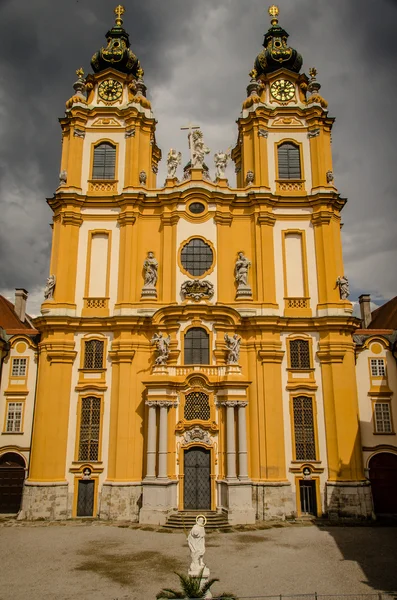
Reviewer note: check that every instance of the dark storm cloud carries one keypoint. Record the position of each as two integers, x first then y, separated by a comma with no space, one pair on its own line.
196,56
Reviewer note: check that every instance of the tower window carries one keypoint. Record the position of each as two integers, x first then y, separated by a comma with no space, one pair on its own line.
196,347
289,163
305,446
197,257
19,367
299,354
197,407
104,161
93,355
89,428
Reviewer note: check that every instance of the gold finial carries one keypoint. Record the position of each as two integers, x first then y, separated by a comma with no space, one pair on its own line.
253,74
273,12
80,73
140,72
119,10
312,73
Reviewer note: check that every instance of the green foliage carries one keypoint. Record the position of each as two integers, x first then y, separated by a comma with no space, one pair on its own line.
191,588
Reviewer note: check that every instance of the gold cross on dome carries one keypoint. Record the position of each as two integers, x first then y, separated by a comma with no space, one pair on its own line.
273,12
119,10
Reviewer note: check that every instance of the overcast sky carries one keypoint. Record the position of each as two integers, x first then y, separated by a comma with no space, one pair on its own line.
197,55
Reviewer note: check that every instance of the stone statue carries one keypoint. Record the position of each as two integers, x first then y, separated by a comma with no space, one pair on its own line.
63,177
199,149
233,346
162,347
343,285
330,176
250,177
174,159
241,270
49,288
221,159
196,542
142,178
150,266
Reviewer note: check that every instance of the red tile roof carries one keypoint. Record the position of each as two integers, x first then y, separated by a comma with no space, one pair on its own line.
10,322
385,317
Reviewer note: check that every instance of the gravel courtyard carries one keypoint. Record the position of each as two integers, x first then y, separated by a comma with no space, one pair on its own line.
87,561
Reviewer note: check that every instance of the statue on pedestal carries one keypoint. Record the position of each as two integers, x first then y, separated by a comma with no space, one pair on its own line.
49,288
162,347
233,346
343,285
241,275
173,160
150,266
221,159
198,149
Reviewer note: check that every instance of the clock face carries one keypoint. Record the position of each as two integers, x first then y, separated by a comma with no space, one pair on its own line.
110,90
282,89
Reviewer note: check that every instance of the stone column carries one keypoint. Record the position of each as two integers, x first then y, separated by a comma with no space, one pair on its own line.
163,441
151,442
230,441
242,441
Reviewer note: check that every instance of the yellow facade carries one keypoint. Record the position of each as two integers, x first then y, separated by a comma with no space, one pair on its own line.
247,435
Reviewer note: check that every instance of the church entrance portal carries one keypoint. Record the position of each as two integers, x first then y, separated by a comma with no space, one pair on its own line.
383,477
197,485
12,476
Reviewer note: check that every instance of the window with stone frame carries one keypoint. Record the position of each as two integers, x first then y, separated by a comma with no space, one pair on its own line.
93,354
197,406
196,345
14,417
289,162
378,367
305,442
19,366
90,422
104,161
382,417
299,351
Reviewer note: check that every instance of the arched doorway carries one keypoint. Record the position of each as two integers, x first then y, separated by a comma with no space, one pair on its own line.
383,477
197,481
12,476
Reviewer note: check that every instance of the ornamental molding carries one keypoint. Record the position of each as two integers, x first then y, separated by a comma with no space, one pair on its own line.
130,133
197,434
72,218
314,133
197,289
263,133
102,122
160,403
266,218
79,133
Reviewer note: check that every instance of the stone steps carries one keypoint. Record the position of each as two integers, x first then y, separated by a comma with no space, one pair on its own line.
187,518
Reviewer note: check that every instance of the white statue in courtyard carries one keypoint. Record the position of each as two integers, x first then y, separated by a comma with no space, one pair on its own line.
196,542
343,285
221,159
49,288
174,159
162,347
233,346
198,148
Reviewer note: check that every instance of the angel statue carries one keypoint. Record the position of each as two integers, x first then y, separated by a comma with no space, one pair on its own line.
173,160
49,288
233,346
221,159
162,347
199,149
343,284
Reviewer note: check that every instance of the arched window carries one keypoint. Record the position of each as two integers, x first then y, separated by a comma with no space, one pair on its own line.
289,163
90,420
196,347
93,354
299,351
104,161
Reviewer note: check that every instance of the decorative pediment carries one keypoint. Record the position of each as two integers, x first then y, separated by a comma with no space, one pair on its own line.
197,434
106,122
287,121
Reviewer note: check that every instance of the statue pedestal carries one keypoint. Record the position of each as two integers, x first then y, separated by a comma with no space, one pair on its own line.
196,573
222,181
244,291
171,181
233,369
149,292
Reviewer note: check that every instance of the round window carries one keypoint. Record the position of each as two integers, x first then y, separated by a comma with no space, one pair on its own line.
196,208
197,257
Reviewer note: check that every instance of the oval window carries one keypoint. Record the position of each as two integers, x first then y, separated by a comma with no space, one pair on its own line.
197,257
196,208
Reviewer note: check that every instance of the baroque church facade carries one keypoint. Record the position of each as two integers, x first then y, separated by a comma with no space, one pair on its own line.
196,348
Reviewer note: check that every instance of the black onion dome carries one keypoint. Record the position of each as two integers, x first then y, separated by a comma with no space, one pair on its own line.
277,54
117,53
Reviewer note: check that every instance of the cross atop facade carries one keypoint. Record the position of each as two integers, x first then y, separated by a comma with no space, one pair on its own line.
119,10
190,128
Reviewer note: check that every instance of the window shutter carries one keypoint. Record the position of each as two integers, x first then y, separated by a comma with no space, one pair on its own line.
104,161
289,166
